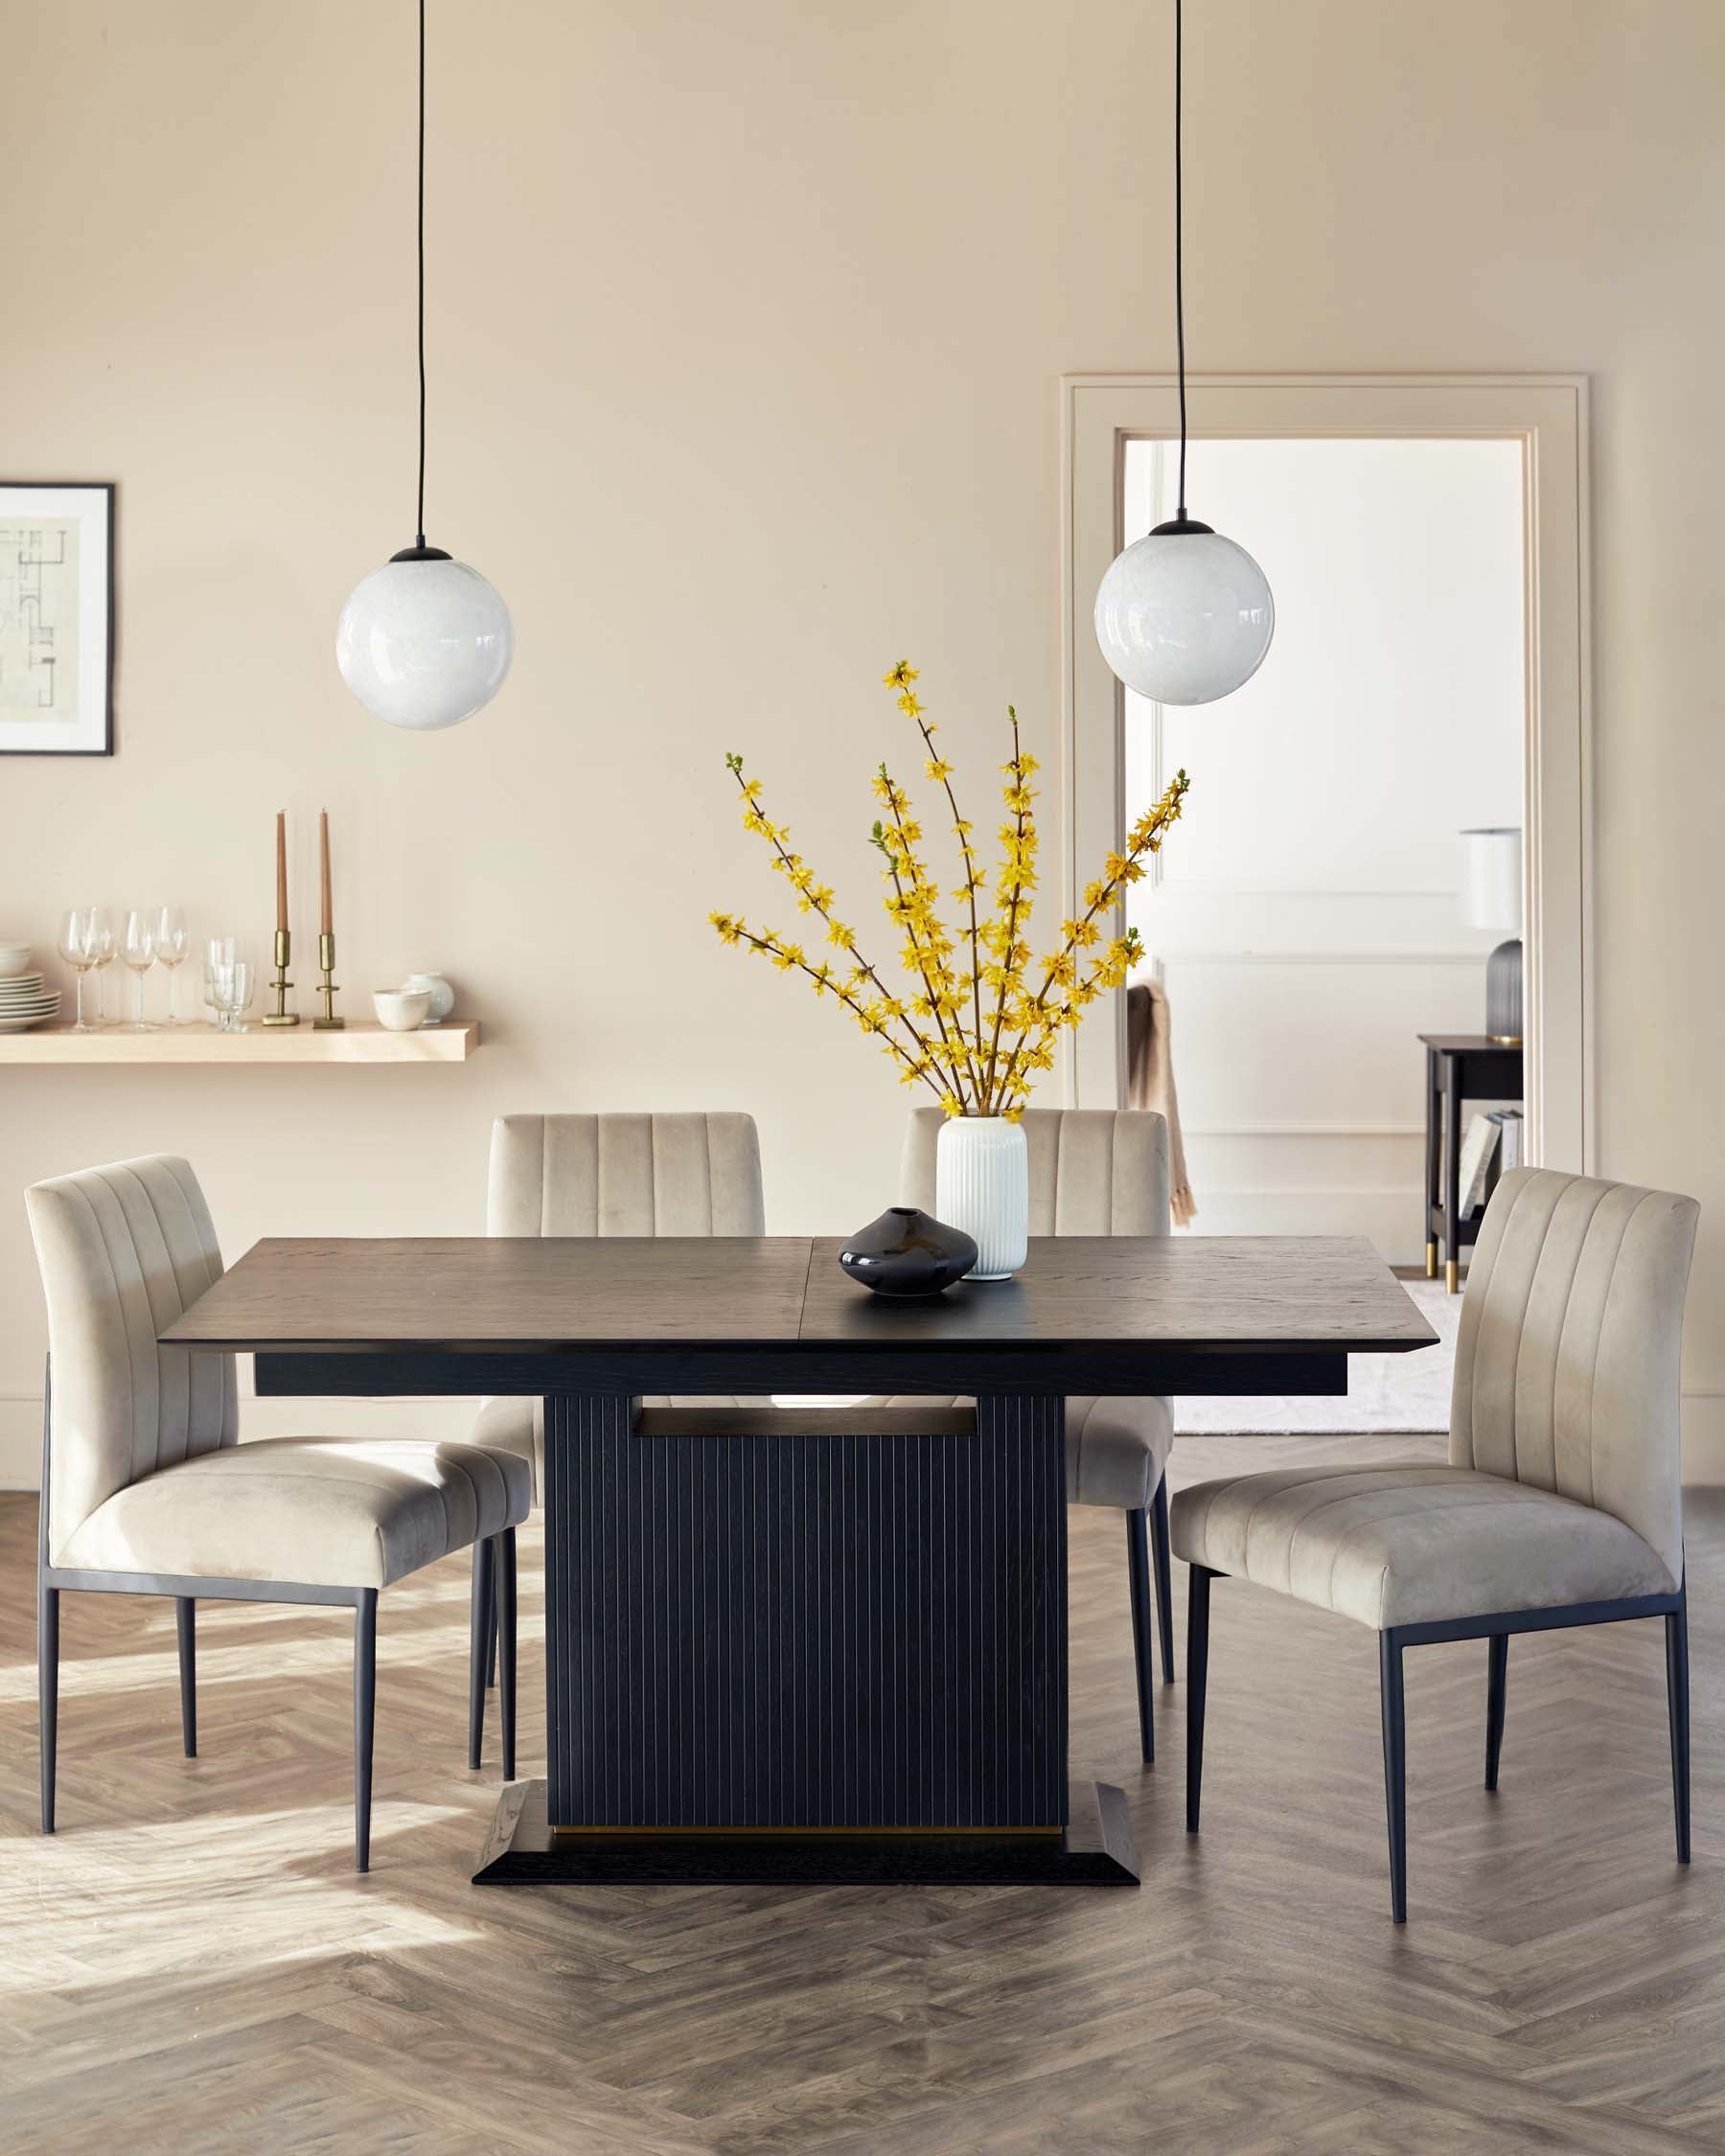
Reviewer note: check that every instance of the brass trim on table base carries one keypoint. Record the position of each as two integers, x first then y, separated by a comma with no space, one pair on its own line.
1096,1849
796,1833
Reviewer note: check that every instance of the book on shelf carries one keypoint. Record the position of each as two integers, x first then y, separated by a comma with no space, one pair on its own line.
1479,1149
1510,1128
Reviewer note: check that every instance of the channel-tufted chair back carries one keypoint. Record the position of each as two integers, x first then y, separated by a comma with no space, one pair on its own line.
1093,1171
625,1175
1567,1363
123,1250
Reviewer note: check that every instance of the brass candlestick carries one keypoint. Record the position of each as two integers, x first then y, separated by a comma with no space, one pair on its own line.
282,1015
326,960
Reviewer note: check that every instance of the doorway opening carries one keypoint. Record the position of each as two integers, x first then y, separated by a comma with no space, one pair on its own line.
1319,909
1309,922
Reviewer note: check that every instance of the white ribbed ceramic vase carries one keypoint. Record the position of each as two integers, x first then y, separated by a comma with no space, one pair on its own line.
982,1186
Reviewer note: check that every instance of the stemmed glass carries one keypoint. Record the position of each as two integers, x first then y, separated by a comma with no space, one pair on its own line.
139,949
86,941
219,951
172,941
106,947
231,991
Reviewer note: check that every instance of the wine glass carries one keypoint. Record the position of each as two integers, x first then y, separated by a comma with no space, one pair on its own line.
173,940
138,949
232,987
80,938
105,946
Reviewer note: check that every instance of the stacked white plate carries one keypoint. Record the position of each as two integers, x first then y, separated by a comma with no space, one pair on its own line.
25,1001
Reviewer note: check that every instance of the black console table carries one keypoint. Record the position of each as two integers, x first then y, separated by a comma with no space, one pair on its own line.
1460,1067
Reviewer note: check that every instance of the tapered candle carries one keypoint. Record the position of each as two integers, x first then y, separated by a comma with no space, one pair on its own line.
281,870
323,856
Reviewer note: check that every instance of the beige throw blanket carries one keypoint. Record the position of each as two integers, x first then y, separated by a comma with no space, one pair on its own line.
1150,1084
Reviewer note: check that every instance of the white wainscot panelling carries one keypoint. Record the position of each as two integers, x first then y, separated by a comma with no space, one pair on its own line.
1242,918
1329,1039
1315,1180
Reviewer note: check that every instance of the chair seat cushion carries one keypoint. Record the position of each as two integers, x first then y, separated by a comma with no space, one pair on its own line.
1115,1449
316,1511
1411,1544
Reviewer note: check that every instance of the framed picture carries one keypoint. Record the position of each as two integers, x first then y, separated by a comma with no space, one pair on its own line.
56,619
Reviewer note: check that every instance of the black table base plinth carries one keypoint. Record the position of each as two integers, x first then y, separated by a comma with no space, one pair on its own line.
1096,1849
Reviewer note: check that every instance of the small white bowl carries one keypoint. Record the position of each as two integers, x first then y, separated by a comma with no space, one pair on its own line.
14,958
401,1010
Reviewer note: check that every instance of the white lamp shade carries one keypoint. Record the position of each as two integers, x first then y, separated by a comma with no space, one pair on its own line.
1185,617
424,644
1491,883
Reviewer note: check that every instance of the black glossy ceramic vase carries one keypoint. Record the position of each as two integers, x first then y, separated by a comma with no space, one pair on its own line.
906,1253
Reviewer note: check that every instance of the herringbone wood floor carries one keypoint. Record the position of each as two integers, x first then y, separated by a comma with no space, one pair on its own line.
191,1964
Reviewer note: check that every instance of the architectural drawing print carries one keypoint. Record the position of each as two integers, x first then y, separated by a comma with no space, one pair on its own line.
38,619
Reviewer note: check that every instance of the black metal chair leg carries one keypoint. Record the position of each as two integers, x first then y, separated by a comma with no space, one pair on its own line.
48,1691
505,1568
1198,1595
479,1638
1677,1703
186,1611
490,1633
1396,1770
1137,1579
1165,1578
366,1701
1497,1682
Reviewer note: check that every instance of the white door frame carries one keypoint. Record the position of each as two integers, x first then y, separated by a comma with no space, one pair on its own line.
1548,415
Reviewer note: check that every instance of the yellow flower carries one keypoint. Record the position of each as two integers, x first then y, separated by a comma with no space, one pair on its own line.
977,1053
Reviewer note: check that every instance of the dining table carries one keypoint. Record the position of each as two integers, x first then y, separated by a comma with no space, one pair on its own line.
795,1641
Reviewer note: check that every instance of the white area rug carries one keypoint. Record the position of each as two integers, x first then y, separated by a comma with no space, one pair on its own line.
1396,1395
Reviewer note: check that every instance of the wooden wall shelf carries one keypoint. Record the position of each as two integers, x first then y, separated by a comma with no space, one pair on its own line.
356,1043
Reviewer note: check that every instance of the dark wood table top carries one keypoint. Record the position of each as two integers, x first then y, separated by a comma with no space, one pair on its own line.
775,1313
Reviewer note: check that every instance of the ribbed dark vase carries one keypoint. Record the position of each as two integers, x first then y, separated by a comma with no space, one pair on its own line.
907,1254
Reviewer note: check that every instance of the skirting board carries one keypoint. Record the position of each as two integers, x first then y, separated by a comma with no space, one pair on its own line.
21,1428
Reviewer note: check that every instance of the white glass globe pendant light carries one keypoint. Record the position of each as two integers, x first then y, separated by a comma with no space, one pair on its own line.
1183,615
424,641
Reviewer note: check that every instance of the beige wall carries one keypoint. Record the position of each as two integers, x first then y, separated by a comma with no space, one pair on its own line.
746,321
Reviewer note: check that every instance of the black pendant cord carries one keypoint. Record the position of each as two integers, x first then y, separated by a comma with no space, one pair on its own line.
1179,251
420,519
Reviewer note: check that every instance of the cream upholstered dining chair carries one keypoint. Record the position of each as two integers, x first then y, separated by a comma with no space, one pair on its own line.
1561,1503
1097,1171
684,1174
145,1489
687,1174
